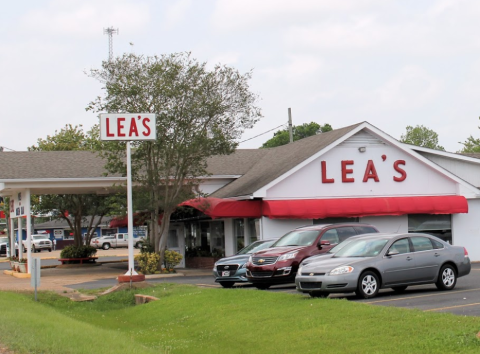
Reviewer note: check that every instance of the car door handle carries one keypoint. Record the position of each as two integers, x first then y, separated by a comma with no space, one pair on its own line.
437,254
409,258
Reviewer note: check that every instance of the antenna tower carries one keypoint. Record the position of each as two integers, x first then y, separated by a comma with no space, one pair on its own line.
110,31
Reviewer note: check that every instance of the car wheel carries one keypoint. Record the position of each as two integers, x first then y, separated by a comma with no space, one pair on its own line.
227,284
49,250
368,285
261,286
106,246
447,278
33,249
399,289
321,294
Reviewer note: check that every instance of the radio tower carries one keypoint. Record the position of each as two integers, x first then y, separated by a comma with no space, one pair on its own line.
110,31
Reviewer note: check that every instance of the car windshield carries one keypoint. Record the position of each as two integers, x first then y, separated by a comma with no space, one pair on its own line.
297,238
362,248
255,247
40,237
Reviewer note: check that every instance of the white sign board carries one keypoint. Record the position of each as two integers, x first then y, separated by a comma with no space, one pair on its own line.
17,205
127,126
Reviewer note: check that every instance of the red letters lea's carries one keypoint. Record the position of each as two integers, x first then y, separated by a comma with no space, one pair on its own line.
370,172
399,170
324,173
346,171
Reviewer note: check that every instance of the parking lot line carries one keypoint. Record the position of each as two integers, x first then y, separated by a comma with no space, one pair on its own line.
452,307
420,296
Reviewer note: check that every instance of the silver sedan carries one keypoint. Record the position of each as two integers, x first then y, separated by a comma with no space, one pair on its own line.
368,263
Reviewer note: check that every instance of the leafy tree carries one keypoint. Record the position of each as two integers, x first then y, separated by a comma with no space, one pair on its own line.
471,145
282,137
421,136
200,112
67,139
74,208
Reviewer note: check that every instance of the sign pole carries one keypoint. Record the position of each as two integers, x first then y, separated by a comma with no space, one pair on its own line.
131,270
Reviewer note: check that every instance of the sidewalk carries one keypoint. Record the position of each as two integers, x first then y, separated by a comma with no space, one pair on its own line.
58,279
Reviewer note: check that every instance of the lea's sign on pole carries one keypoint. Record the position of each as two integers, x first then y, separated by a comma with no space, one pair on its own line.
127,126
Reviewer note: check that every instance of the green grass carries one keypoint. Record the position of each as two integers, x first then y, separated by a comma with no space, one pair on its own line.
188,319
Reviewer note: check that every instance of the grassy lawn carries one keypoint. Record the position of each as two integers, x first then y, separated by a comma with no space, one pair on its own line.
188,319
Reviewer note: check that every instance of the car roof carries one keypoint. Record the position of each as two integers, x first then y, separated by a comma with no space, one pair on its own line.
324,226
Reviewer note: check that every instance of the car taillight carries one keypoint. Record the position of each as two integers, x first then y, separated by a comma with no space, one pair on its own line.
465,252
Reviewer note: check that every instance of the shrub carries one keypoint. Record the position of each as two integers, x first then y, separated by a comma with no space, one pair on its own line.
148,262
172,259
147,247
78,252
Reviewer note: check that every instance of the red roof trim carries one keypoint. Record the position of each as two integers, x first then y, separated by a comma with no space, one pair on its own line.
357,207
226,208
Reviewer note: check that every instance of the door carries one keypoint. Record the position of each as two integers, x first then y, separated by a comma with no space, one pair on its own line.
427,259
176,242
399,267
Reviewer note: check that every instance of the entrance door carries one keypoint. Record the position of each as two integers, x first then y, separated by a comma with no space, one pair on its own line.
176,242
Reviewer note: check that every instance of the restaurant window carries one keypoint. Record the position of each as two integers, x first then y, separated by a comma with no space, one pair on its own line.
253,226
239,234
436,225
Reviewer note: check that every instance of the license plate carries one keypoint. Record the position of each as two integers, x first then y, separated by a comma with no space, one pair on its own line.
226,273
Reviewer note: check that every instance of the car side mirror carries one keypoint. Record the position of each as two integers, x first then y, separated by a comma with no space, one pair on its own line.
392,253
323,243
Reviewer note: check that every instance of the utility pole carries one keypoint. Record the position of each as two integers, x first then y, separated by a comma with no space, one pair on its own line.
290,128
110,31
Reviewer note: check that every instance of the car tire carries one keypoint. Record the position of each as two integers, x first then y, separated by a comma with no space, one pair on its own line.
399,289
321,294
106,246
49,250
34,249
227,284
368,285
447,278
262,286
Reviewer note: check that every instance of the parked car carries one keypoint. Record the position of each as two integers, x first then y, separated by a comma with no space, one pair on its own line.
371,262
279,263
38,243
230,270
3,246
115,241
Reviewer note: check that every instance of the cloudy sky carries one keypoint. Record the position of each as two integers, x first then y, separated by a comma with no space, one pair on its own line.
391,63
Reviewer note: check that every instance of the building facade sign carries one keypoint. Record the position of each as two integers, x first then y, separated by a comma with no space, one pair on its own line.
127,126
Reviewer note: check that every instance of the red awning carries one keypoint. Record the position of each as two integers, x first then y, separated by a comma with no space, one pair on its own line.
138,220
356,207
226,208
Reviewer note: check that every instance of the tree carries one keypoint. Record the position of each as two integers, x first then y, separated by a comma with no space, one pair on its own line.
471,145
282,137
200,112
67,139
73,208
421,136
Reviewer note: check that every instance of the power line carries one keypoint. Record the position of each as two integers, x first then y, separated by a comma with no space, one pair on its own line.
268,131
4,147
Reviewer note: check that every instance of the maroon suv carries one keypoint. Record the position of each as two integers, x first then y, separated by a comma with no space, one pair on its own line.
279,263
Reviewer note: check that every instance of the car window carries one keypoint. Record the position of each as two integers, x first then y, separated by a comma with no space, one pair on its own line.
401,246
345,232
362,248
120,236
437,245
421,243
365,230
331,236
256,246
297,238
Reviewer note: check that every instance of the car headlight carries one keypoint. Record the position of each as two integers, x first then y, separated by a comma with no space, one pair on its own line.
287,256
341,270
244,265
299,271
